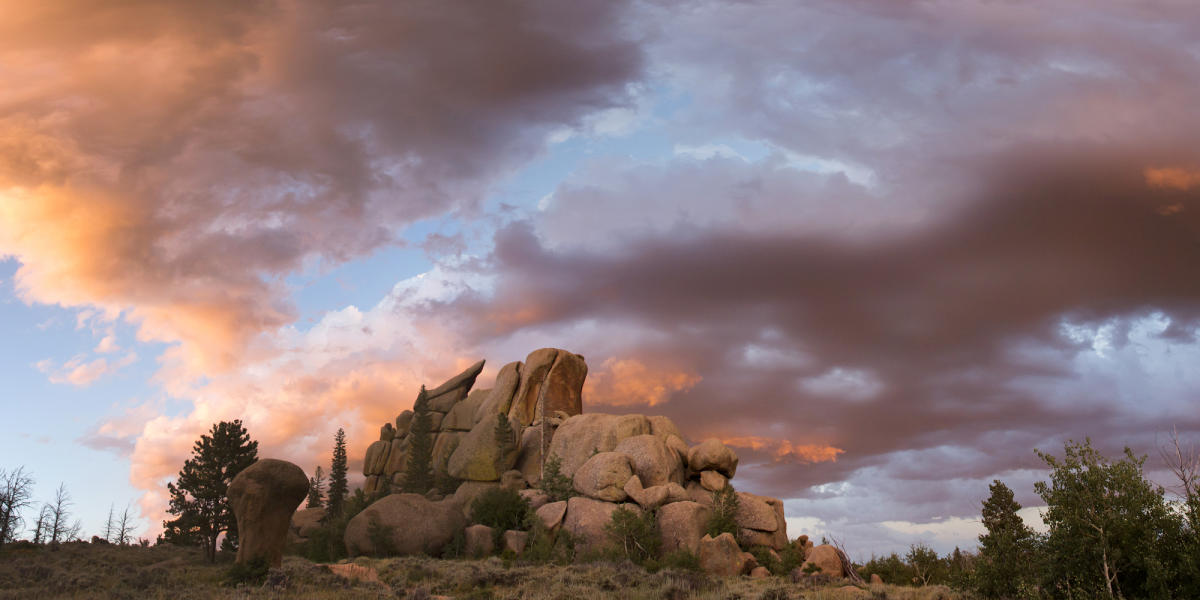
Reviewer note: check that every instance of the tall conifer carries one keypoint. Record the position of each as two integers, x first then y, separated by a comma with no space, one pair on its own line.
338,487
418,473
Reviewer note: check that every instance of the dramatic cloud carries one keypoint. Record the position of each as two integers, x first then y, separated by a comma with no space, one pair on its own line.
170,165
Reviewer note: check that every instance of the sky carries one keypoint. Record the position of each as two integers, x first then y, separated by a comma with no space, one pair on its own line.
883,249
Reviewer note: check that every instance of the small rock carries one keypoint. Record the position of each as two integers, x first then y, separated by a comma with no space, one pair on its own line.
826,559
535,498
604,476
479,541
515,541
712,480
713,454
552,513
721,556
759,573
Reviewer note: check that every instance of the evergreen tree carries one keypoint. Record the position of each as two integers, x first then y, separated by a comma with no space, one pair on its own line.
316,490
1004,551
335,499
418,473
506,441
198,495
554,482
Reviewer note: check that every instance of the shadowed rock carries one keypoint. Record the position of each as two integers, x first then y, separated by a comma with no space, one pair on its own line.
408,523
263,497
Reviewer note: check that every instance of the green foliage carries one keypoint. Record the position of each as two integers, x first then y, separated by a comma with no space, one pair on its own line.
198,495
891,568
1005,552
680,560
251,572
1111,531
724,512
790,557
555,483
634,534
380,536
765,558
338,486
506,441
927,567
501,509
327,542
418,473
545,546
444,483
316,490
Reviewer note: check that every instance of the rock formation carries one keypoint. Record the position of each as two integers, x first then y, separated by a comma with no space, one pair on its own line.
641,463
263,497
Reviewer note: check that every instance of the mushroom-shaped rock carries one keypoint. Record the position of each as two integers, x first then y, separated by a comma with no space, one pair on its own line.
604,476
263,497
682,525
412,523
551,514
653,461
712,454
586,519
721,556
477,457
826,559
479,541
580,436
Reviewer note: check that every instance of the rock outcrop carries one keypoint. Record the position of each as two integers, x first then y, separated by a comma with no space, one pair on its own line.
825,559
410,524
640,462
263,497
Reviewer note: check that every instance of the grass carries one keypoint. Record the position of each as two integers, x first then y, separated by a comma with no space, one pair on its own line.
80,570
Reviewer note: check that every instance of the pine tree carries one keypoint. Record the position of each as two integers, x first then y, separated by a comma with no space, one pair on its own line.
335,500
316,490
505,441
1004,550
418,474
198,495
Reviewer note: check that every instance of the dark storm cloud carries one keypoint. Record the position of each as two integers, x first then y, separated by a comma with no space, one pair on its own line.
941,319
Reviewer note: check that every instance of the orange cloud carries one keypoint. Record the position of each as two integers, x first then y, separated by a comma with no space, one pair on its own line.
1174,178
629,382
785,450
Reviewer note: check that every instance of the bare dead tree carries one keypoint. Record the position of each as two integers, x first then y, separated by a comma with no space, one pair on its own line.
60,528
847,566
109,525
124,528
1183,460
42,526
16,490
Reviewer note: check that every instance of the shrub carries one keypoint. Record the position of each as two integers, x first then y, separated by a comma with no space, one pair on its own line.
545,546
555,484
634,535
724,512
251,572
501,509
766,558
681,560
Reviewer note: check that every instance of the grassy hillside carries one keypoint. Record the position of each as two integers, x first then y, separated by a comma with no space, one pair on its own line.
80,570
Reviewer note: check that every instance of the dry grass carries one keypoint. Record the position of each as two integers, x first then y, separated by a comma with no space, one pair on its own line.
86,571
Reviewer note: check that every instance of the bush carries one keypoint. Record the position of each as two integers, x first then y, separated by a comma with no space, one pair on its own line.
766,558
251,572
501,509
554,483
681,560
545,546
634,535
724,512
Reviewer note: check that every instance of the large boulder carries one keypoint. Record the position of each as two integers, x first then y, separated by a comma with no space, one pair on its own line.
445,396
306,520
721,556
653,461
477,457
462,415
263,497
604,476
552,377
444,446
753,512
404,422
529,454
468,491
650,498
412,523
376,458
479,541
712,481
551,514
713,454
499,399
586,519
682,525
578,437
826,559
515,541
697,493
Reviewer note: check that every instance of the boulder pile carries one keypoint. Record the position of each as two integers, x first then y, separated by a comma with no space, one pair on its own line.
610,461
